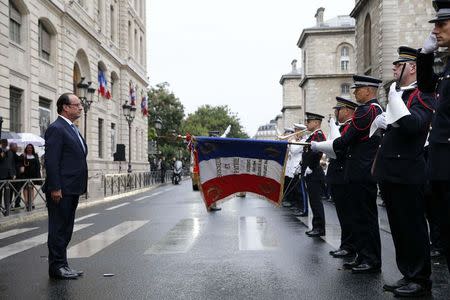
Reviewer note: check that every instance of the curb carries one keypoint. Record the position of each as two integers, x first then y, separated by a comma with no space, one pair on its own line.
41,213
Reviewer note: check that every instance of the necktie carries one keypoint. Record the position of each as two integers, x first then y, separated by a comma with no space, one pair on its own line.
79,136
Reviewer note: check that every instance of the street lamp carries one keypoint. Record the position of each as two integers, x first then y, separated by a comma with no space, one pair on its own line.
129,113
85,93
158,126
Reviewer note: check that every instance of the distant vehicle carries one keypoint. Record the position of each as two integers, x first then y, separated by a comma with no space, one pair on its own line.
177,169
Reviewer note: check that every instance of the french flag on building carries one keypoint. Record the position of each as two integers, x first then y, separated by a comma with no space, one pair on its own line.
132,95
228,166
144,105
102,85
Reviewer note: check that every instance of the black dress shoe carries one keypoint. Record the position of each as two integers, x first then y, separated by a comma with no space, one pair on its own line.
365,268
78,273
341,253
435,253
412,289
331,252
351,264
315,233
395,285
304,214
62,273
215,208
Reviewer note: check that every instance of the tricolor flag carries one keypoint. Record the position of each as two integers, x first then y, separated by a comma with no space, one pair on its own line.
144,108
228,166
132,95
103,85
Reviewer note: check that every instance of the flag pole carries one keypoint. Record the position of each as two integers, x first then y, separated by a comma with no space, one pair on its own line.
300,143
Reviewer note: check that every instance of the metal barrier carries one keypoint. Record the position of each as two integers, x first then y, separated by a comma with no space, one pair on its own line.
13,190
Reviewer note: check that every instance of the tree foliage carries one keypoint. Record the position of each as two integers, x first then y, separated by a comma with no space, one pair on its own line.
207,118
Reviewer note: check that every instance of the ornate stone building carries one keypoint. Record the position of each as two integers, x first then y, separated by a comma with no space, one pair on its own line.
267,131
48,46
292,97
381,27
328,54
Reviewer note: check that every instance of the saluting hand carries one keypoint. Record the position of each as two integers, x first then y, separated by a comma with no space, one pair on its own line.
56,196
430,44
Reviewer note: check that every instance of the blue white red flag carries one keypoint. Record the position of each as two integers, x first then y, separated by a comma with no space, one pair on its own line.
132,95
228,166
103,85
144,105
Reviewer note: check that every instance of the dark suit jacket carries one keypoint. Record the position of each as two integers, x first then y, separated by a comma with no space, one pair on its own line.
312,159
65,160
335,171
7,165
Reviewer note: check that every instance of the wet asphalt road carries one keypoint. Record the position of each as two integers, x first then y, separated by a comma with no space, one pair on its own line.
163,244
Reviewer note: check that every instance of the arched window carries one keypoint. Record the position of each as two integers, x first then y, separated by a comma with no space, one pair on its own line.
45,45
367,44
345,58
113,23
15,23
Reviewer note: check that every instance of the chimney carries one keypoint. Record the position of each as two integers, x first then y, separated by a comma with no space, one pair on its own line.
319,16
294,66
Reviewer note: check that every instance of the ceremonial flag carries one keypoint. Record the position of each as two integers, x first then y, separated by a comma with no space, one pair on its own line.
132,95
228,166
103,85
144,108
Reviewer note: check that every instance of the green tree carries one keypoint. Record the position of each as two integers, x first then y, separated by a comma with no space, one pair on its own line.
166,107
208,117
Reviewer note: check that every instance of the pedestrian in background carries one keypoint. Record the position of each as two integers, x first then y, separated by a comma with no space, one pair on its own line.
7,167
67,174
31,170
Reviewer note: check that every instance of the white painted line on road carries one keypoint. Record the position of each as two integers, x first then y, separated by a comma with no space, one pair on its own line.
13,232
103,239
117,206
167,190
85,217
31,242
255,234
146,197
179,239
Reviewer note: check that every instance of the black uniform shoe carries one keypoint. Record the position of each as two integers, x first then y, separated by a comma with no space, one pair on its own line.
365,268
412,289
341,253
435,253
396,285
351,264
78,273
315,233
332,251
215,208
286,204
62,273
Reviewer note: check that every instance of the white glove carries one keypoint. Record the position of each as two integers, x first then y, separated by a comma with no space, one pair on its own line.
430,44
307,171
394,94
380,121
297,170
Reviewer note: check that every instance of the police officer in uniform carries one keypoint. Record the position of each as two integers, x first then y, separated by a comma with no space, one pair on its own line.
439,139
400,170
360,150
343,111
313,174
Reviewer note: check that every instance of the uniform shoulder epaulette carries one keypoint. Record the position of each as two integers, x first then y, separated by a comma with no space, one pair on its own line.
364,115
415,94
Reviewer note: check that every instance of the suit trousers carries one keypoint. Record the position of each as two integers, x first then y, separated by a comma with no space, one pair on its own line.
61,218
363,199
441,197
405,207
344,210
314,189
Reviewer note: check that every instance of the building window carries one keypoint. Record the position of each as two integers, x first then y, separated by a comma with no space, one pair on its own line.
44,115
136,45
15,23
130,41
113,23
113,139
141,51
15,98
345,89
367,44
100,138
44,42
345,58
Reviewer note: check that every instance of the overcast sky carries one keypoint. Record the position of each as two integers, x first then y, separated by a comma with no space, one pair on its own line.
230,52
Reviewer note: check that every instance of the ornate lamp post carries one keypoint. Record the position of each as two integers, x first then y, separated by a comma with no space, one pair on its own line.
86,94
129,113
158,126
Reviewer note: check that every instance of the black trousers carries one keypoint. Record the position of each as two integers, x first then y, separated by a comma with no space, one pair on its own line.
287,188
363,199
344,211
432,216
61,218
314,189
441,198
405,206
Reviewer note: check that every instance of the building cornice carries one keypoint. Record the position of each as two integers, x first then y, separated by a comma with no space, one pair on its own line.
359,5
323,31
290,76
290,107
327,76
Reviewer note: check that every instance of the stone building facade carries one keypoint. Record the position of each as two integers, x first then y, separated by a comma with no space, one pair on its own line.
267,131
48,46
328,60
384,25
292,97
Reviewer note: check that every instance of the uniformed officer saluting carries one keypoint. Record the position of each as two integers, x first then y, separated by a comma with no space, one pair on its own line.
343,111
439,139
360,151
313,174
400,171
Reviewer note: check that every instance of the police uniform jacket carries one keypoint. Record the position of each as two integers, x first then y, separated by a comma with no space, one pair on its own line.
312,159
401,155
429,82
359,149
335,171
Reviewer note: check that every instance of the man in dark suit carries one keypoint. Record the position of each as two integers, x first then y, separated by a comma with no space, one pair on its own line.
66,167
400,171
7,167
439,139
313,174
